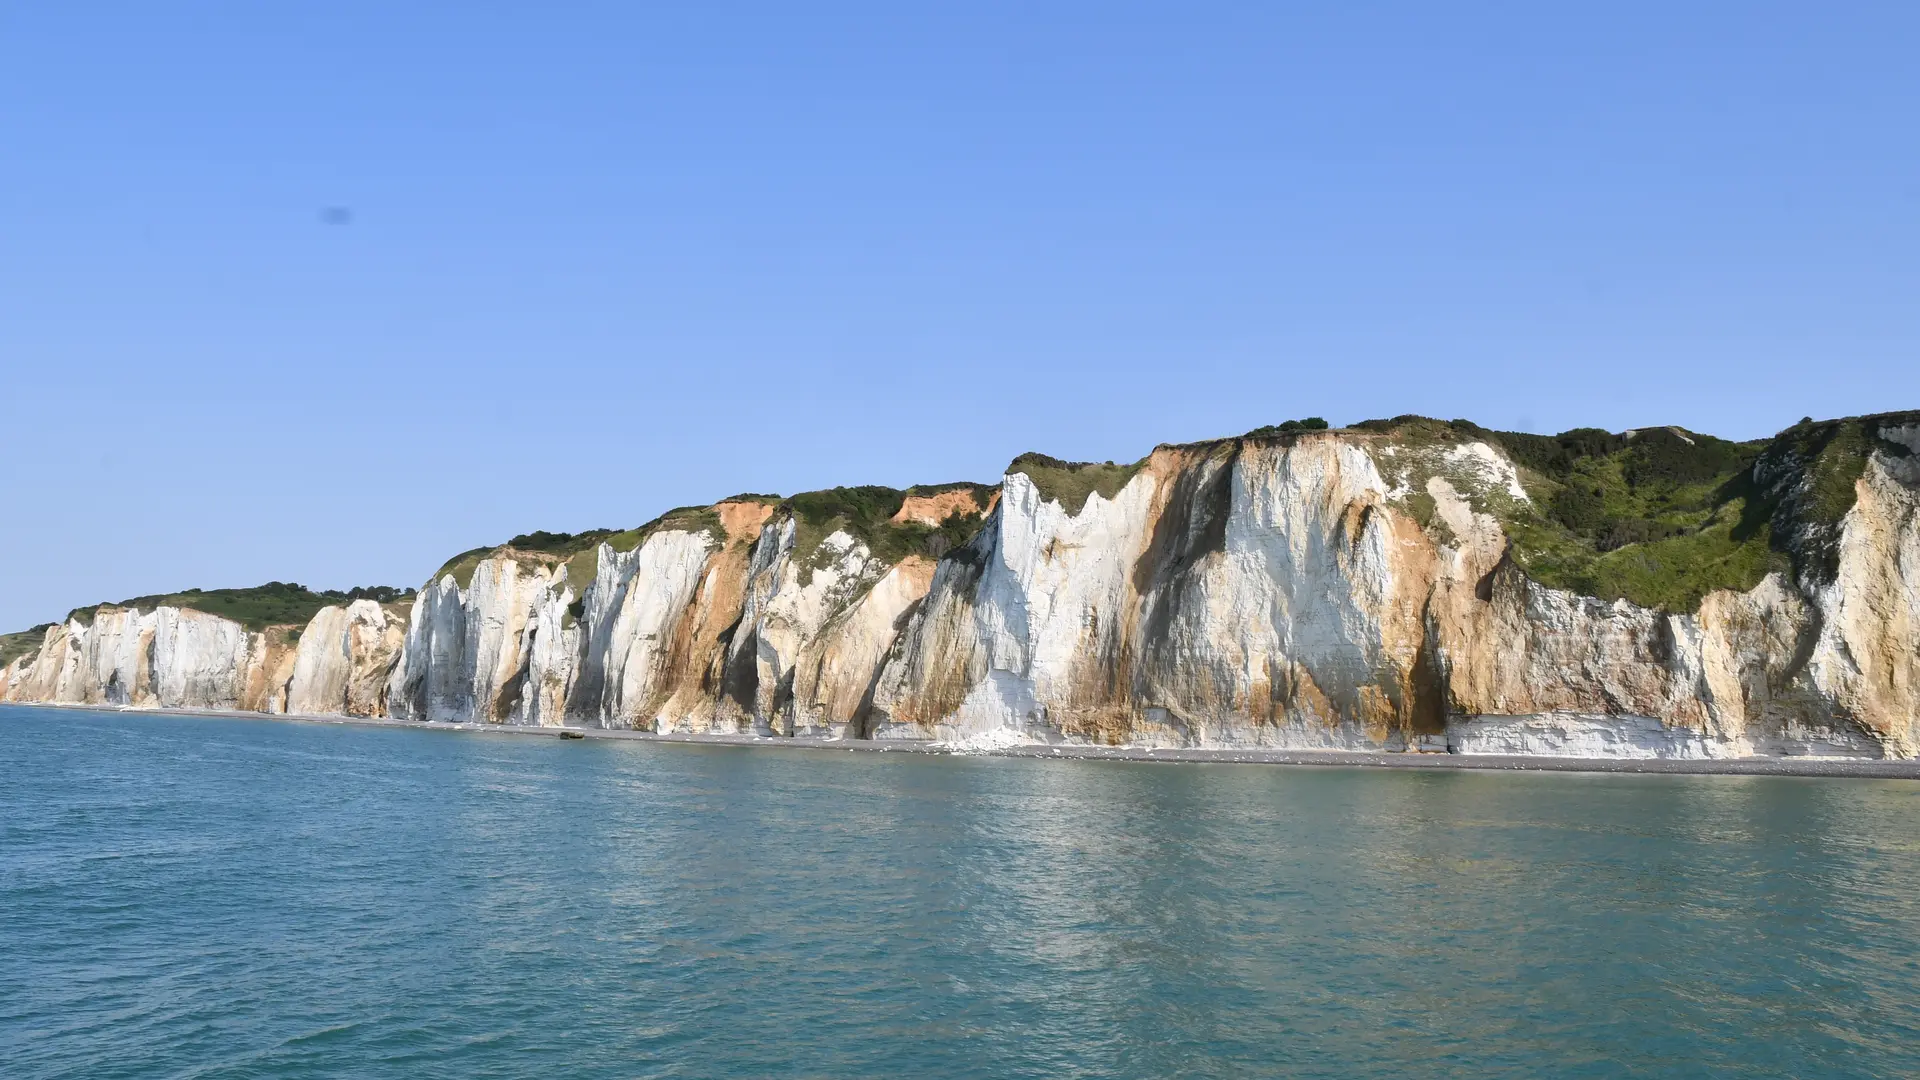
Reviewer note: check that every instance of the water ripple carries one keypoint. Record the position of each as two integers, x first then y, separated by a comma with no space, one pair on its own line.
230,898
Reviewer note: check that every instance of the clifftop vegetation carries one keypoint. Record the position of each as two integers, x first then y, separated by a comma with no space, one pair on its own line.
1806,478
1071,483
21,643
1662,516
866,514
1288,427
580,550
277,603
862,512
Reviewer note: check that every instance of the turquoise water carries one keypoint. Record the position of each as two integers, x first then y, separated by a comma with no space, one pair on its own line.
248,898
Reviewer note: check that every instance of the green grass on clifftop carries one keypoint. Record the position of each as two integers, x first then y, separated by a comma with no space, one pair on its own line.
1072,483
1288,427
22,643
1662,516
865,513
1807,477
1656,516
861,512
580,551
461,566
277,603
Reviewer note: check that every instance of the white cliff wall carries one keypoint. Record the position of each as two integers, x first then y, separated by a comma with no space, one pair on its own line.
1867,661
495,651
1213,600
790,601
833,673
1329,590
633,609
343,661
1283,595
168,657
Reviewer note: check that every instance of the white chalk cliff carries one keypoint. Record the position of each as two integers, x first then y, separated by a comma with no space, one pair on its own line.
178,658
1340,589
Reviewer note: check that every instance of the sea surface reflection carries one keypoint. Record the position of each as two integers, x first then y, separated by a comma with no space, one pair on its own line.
229,898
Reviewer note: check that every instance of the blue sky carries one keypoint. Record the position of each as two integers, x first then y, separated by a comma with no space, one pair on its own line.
604,259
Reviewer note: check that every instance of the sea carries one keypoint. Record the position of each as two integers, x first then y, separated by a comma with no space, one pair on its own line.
232,897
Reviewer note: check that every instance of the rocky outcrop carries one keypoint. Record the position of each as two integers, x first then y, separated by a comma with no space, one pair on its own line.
1341,589
834,671
488,652
793,598
343,661
1866,660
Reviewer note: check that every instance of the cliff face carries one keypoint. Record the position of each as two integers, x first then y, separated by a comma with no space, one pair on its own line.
1360,589
174,657
721,623
343,660
1288,596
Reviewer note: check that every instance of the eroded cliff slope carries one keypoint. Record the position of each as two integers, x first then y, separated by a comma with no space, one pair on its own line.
1404,584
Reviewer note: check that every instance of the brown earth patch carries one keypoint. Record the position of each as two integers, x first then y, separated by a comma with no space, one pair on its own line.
742,520
934,509
689,687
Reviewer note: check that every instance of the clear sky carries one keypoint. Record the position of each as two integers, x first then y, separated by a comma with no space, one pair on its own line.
329,292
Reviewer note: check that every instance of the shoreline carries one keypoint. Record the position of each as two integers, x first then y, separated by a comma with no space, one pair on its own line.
1878,769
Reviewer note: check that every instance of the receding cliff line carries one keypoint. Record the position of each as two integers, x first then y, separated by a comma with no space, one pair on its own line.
1399,585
